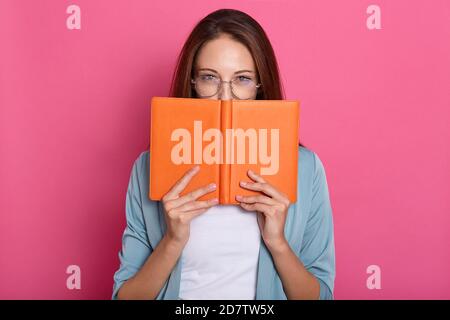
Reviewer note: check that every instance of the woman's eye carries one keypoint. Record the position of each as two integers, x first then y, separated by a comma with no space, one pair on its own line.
207,77
243,79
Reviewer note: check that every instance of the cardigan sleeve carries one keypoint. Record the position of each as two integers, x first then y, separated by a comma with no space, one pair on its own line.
135,243
317,252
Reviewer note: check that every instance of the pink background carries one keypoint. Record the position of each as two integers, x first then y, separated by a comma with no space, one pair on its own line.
74,107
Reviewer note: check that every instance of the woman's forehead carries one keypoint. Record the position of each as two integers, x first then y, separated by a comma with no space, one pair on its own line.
225,55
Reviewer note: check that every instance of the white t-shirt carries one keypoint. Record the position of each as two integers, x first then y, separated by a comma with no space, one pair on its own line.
220,259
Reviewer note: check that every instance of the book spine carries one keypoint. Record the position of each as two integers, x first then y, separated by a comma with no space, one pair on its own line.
225,166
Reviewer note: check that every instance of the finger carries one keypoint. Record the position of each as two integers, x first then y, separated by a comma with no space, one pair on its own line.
194,205
191,196
259,198
263,187
256,177
194,213
260,207
181,184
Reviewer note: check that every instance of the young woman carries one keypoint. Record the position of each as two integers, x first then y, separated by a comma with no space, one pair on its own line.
263,248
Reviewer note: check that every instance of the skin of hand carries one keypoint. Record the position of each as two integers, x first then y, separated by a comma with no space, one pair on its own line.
271,207
180,210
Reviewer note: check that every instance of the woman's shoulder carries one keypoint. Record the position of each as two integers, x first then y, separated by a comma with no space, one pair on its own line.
308,158
311,170
140,171
143,156
142,161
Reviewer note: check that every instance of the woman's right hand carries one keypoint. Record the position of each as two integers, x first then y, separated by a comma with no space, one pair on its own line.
179,211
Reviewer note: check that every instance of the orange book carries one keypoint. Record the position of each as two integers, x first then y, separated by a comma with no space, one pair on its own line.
226,138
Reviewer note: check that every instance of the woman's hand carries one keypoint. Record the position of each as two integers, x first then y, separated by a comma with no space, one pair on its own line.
271,208
179,211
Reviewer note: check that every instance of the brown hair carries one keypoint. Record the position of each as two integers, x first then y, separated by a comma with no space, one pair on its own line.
241,27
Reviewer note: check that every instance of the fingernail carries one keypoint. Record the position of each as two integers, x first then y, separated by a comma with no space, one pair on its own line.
243,183
238,198
250,171
212,186
215,200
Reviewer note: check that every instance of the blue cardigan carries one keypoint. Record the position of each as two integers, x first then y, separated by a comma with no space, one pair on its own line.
308,229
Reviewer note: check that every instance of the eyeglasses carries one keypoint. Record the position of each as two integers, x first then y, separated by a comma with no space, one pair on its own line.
208,85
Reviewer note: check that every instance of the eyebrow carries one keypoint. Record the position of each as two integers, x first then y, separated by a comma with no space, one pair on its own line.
240,71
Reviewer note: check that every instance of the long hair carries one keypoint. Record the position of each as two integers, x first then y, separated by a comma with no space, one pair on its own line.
242,28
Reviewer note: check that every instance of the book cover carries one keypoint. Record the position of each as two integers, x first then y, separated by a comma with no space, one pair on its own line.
226,138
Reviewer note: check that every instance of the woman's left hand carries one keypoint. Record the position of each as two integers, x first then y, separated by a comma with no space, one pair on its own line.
271,208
